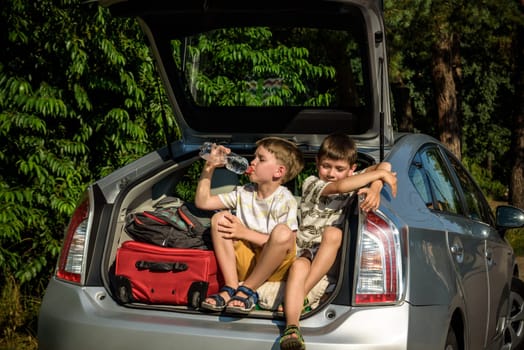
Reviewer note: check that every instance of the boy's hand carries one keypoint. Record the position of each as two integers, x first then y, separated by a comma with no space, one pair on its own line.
391,179
371,198
230,227
372,193
217,156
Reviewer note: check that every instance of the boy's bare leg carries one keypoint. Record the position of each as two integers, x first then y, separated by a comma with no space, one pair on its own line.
225,254
304,274
280,243
325,257
295,292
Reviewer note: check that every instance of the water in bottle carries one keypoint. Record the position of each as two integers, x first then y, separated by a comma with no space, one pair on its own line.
232,161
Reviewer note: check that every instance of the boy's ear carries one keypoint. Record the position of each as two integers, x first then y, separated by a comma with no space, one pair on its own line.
280,172
352,169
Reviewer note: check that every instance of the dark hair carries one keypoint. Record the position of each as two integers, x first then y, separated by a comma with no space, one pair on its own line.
338,146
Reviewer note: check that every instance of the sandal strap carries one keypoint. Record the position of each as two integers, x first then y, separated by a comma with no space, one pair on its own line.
219,301
251,294
292,330
229,290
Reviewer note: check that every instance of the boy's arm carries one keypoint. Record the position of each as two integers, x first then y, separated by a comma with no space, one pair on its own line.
203,198
357,181
372,193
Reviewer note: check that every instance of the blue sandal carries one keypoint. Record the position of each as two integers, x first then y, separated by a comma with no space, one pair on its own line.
220,303
250,301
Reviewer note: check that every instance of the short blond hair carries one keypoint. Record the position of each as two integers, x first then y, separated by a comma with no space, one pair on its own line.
287,153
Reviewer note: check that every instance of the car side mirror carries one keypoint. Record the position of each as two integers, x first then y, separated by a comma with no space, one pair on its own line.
509,217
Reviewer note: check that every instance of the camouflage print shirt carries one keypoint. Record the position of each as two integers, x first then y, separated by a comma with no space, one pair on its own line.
317,212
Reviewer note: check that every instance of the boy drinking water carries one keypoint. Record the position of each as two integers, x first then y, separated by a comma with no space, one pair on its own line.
257,243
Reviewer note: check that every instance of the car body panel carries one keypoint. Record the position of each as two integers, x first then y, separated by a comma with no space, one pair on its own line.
94,312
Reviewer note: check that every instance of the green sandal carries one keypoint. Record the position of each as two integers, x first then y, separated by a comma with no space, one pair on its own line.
292,339
220,303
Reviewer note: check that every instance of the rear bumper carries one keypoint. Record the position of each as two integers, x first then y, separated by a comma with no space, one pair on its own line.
86,318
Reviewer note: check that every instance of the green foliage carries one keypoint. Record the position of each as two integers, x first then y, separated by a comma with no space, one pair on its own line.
484,31
186,188
485,180
17,311
79,97
516,238
259,56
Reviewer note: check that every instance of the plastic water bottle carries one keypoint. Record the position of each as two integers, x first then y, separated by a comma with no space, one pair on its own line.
232,161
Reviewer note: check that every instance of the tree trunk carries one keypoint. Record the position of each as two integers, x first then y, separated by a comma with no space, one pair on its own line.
404,112
517,146
446,93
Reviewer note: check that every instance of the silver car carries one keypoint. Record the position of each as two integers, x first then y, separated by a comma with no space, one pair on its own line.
430,269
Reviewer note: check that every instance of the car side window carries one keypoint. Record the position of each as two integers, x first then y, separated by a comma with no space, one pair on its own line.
421,182
477,206
430,176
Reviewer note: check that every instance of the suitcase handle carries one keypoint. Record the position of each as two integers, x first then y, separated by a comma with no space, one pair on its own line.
155,266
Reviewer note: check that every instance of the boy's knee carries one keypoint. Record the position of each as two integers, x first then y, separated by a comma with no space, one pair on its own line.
215,219
332,236
300,265
282,234
281,228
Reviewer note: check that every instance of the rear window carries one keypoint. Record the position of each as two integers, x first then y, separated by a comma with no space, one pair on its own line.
279,67
278,78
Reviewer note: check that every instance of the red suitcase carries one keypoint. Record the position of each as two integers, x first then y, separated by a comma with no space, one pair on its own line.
152,274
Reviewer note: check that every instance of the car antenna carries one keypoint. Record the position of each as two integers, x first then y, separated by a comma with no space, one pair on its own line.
381,111
378,38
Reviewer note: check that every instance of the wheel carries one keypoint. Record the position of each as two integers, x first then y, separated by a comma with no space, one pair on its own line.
514,332
451,340
195,300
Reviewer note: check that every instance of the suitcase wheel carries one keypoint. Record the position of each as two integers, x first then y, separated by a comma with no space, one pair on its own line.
196,292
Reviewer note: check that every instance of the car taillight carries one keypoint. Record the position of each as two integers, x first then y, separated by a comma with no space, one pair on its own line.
71,261
379,267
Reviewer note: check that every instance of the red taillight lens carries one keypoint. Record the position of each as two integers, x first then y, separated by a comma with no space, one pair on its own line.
379,270
71,261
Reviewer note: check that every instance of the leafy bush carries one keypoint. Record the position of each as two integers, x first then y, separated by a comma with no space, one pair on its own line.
516,238
17,311
489,186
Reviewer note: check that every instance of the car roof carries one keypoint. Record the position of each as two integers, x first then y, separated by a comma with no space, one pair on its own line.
164,21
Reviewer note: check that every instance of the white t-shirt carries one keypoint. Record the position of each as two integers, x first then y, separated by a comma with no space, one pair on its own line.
262,215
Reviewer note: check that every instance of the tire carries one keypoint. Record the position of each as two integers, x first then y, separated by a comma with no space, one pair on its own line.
195,300
451,340
514,332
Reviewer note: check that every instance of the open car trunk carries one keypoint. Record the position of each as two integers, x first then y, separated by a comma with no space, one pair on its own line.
238,71
169,188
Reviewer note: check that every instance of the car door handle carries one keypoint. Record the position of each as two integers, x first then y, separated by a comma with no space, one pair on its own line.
489,256
457,250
